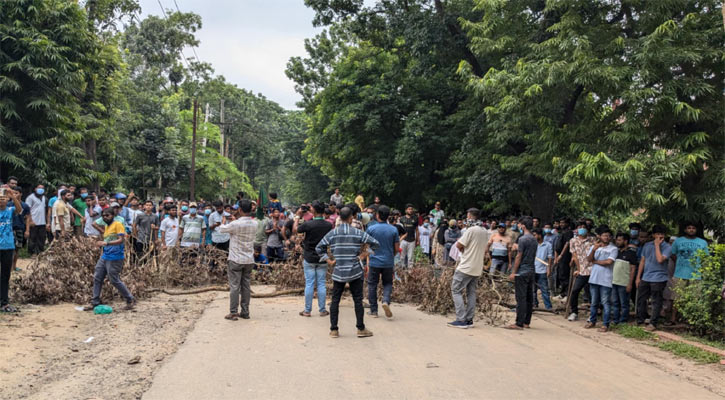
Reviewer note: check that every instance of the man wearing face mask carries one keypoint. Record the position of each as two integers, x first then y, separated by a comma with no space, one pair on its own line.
111,262
424,232
184,208
218,239
192,228
36,202
580,247
634,229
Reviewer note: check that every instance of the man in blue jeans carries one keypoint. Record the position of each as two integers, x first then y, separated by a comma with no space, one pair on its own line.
382,262
315,271
624,267
602,256
542,265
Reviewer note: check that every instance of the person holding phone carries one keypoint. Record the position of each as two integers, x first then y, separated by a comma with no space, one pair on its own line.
7,243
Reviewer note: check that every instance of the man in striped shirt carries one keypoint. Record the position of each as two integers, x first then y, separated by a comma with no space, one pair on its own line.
346,246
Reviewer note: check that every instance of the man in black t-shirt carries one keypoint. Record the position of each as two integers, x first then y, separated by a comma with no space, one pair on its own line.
523,274
410,239
315,271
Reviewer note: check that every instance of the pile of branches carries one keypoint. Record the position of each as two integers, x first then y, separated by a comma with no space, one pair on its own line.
64,272
431,289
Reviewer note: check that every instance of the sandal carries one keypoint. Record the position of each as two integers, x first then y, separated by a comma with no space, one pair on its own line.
514,327
324,313
305,314
9,309
232,316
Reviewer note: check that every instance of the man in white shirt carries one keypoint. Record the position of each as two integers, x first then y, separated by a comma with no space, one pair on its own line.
473,246
37,203
220,240
170,228
241,259
336,197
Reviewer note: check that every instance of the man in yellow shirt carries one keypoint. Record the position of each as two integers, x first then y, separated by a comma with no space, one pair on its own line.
111,262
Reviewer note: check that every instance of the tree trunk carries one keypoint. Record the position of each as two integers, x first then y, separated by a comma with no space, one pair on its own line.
542,199
90,146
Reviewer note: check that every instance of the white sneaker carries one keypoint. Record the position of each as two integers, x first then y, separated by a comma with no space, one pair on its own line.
573,317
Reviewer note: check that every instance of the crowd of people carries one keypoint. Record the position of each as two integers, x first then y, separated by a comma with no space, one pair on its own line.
362,244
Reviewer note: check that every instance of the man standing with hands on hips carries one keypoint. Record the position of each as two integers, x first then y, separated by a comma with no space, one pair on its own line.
345,243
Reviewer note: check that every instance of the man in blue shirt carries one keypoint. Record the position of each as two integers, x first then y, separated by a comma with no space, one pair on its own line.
7,243
652,276
382,262
346,245
542,266
684,250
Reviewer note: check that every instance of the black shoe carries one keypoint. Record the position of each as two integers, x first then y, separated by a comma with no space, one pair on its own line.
246,316
470,323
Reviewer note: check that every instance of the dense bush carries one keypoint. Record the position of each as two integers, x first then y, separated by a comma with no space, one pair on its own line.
700,302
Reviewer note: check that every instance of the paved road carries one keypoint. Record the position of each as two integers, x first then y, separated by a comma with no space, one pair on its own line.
280,355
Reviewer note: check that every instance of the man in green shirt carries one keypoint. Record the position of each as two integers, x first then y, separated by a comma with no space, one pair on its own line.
79,204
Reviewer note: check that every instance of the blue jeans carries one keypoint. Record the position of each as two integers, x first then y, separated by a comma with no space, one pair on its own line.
600,296
373,279
542,283
315,275
620,304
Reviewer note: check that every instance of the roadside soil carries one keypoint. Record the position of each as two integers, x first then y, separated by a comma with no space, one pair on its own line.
185,349
47,351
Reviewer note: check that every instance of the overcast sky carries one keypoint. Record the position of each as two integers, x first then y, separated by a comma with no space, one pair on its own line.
249,41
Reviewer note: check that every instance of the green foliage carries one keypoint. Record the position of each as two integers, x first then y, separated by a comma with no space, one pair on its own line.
689,351
633,332
43,52
700,302
605,109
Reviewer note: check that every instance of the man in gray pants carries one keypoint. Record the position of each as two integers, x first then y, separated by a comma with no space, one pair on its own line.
241,259
473,246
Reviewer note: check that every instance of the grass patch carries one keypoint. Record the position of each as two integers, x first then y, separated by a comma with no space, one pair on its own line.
633,332
718,344
23,253
689,351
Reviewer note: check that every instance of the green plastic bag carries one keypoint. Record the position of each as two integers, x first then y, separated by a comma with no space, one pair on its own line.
102,309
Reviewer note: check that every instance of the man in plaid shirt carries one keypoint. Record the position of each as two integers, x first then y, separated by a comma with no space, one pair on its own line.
241,259
346,244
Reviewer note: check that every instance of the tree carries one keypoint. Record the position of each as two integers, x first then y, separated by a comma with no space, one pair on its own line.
616,105
43,53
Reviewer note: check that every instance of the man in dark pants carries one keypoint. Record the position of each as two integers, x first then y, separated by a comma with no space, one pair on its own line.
580,247
523,275
562,257
382,262
652,276
345,243
7,243
241,259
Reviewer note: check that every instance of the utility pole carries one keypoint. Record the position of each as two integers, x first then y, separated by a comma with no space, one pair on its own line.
192,173
222,127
